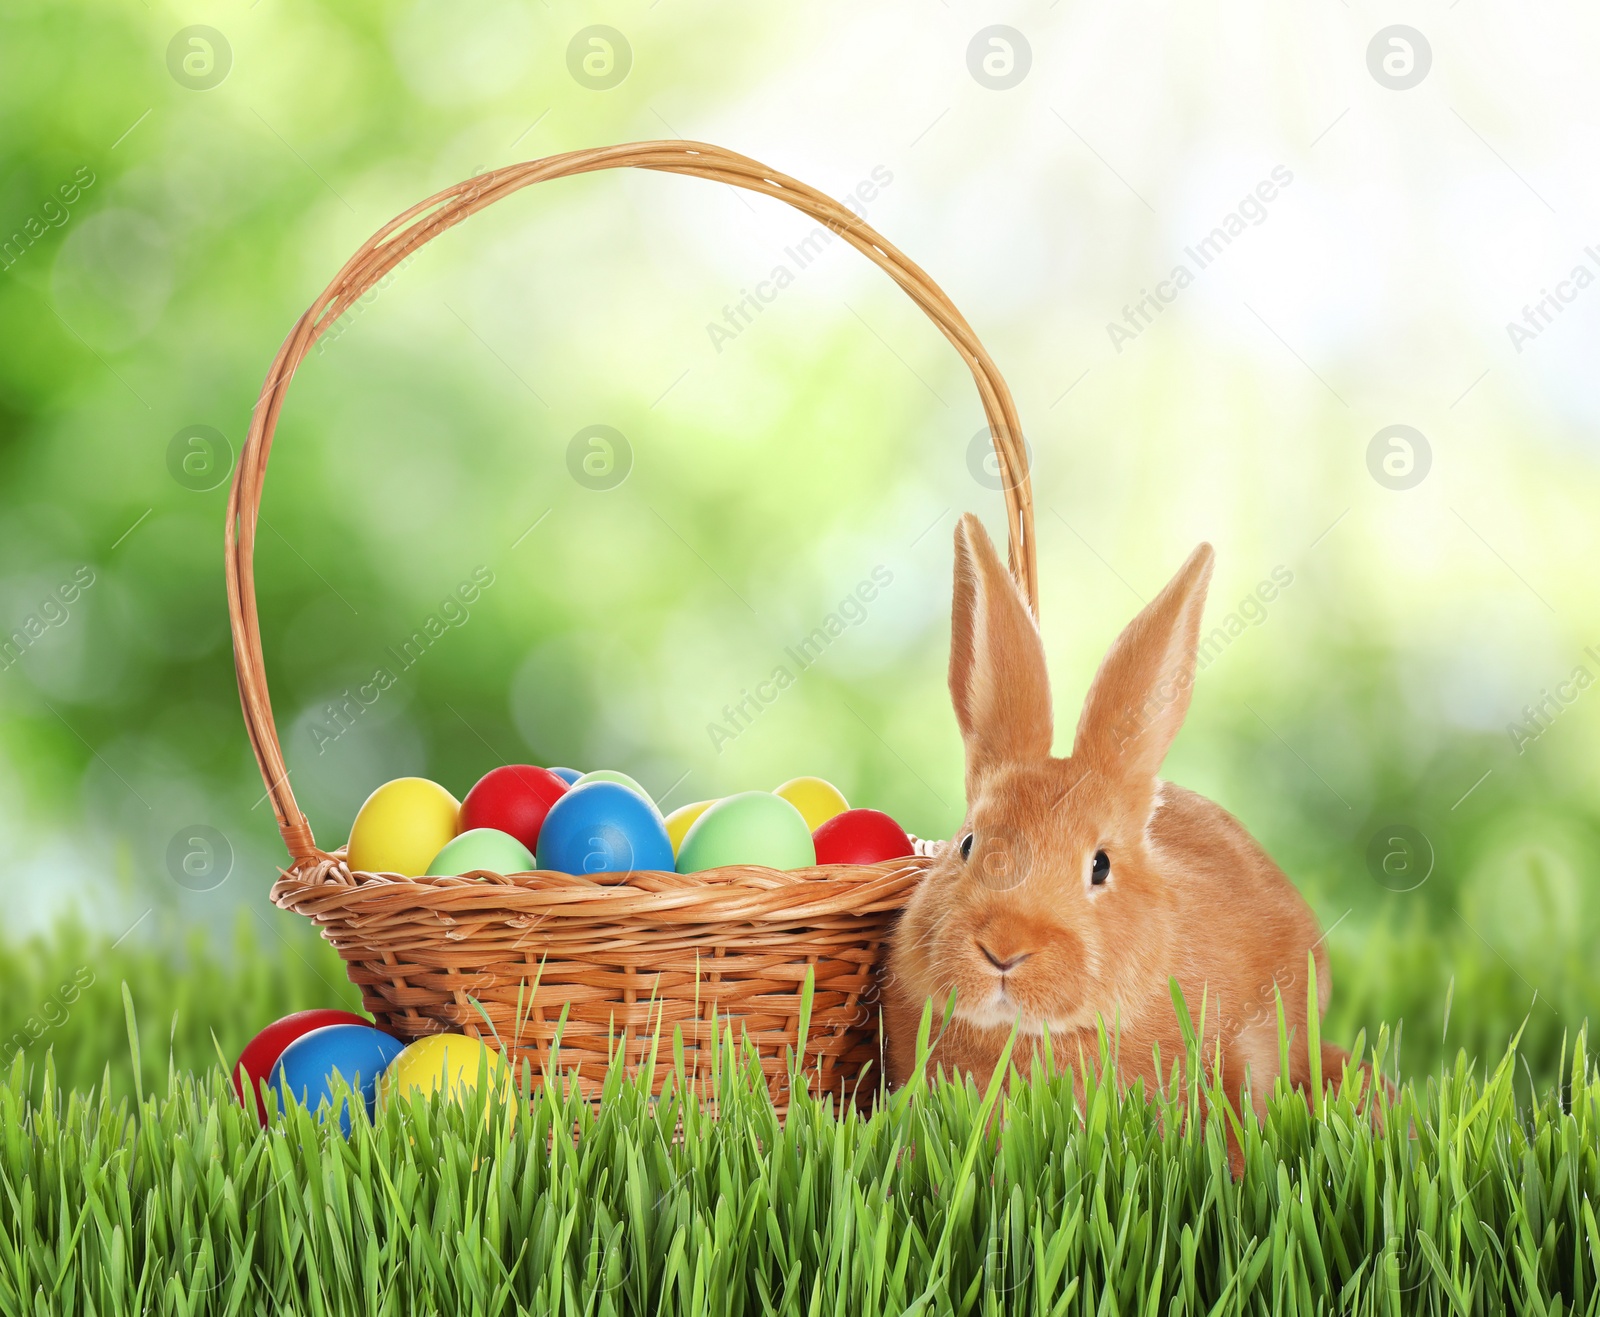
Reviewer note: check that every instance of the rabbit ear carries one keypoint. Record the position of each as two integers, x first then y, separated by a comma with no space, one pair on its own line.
1140,695
998,681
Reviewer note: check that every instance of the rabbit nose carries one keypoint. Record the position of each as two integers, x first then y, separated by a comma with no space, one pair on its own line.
1003,964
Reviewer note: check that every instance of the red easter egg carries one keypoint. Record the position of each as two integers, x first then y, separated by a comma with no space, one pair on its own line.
860,836
263,1051
512,799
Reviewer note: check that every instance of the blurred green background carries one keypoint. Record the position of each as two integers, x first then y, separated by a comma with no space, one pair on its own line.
172,207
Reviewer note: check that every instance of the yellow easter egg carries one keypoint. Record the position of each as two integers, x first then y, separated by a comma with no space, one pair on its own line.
817,801
446,1063
403,825
682,819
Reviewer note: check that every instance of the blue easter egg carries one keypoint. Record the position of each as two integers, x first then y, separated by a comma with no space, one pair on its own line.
603,827
357,1053
567,775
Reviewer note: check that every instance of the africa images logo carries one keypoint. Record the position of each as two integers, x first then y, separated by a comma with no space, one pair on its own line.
1251,212
741,314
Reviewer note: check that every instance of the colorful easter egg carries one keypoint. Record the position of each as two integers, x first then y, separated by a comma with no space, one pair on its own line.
682,819
261,1053
486,849
513,799
753,827
402,826
448,1063
817,801
313,1063
567,775
603,827
612,775
861,836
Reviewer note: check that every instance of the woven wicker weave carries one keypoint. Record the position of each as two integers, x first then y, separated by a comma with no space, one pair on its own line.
622,954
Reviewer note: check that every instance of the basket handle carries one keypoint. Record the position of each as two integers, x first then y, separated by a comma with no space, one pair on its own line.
405,234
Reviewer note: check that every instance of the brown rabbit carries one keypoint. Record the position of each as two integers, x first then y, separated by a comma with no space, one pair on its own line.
1077,887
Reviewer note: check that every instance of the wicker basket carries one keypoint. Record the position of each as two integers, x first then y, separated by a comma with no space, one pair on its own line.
623,955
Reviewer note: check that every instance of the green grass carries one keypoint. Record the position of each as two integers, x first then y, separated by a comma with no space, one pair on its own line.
1440,989
60,993
130,1181
1465,1200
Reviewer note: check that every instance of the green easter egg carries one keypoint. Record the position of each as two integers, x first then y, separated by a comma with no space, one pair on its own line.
482,848
754,827
611,775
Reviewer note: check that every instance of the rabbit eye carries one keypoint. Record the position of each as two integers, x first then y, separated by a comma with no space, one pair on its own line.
966,847
1101,869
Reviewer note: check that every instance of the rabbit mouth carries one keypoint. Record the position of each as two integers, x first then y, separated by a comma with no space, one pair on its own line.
1002,1009
999,1012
